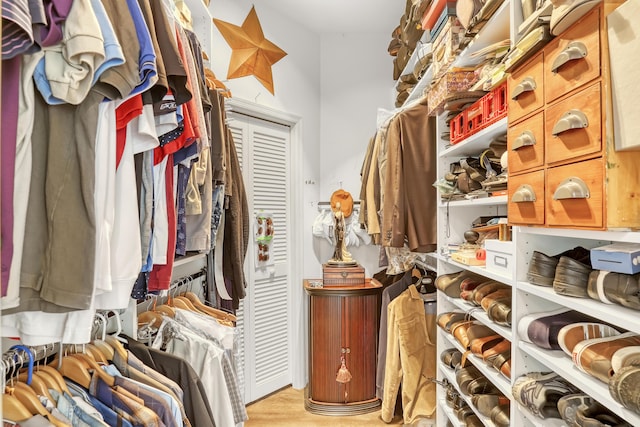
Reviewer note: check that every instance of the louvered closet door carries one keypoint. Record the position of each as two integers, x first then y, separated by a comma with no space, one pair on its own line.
263,318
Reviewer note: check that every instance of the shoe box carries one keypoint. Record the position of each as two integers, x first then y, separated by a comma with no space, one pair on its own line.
617,257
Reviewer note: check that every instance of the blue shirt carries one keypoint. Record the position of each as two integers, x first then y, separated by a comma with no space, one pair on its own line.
109,415
113,55
147,59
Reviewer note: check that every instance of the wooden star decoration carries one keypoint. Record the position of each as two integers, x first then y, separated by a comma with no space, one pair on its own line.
252,53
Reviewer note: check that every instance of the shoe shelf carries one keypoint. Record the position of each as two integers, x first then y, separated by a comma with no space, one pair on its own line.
480,315
495,30
478,270
539,422
502,383
614,314
421,49
476,142
450,375
612,236
449,413
483,201
418,90
562,364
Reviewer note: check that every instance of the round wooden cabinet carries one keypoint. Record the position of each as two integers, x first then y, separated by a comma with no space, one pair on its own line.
343,326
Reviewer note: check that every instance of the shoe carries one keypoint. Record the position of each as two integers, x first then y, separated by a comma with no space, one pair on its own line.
490,354
451,357
542,267
626,356
566,12
459,332
446,320
568,406
473,421
485,289
479,345
574,333
467,286
595,286
465,375
500,311
484,403
623,387
500,293
450,283
571,278
594,356
623,289
481,385
542,329
539,392
596,415
500,415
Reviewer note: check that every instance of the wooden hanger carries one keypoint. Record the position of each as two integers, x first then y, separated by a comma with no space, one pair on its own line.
104,348
166,310
117,346
56,377
28,398
90,364
75,370
48,380
96,354
13,410
184,303
214,312
37,384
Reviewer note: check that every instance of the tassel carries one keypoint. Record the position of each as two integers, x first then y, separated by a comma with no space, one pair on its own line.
344,376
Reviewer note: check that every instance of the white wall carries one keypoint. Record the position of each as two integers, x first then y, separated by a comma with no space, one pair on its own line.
356,79
296,80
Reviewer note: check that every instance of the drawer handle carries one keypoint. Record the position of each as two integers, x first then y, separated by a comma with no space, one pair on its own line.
524,140
572,119
523,194
344,274
571,188
573,51
526,85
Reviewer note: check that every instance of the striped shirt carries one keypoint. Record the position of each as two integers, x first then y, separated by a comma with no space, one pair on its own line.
17,33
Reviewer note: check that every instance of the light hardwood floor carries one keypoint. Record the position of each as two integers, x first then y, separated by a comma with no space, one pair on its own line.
286,408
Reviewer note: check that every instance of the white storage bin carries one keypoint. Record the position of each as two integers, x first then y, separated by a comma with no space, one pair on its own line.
500,257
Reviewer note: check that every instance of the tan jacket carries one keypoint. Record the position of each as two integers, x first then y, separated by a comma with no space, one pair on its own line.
411,358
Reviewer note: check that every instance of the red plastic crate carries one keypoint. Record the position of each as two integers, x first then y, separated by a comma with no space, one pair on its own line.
484,112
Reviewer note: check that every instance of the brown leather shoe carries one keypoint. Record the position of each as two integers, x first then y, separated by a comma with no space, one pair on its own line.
574,333
500,293
594,356
499,311
450,283
480,345
459,331
446,320
484,403
490,354
451,357
487,288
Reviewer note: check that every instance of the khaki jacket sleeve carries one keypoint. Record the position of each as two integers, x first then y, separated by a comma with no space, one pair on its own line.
393,367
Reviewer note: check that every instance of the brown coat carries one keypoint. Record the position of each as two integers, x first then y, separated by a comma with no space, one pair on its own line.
410,200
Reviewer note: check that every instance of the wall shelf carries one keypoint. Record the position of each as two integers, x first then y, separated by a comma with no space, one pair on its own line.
480,316
613,235
451,377
488,371
478,270
562,364
476,142
484,201
613,313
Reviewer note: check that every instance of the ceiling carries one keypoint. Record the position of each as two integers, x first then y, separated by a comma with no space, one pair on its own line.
341,16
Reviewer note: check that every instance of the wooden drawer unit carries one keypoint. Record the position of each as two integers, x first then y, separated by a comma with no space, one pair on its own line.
526,199
573,127
525,88
573,58
525,142
575,194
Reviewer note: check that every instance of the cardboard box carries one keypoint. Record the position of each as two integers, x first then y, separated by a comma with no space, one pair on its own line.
500,257
617,257
449,83
447,45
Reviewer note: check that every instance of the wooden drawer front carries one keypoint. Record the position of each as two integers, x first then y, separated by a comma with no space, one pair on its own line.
571,143
521,189
576,70
523,155
526,86
575,211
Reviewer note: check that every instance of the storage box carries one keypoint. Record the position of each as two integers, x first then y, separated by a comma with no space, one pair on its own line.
500,257
449,83
483,113
617,257
447,45
448,11
335,275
